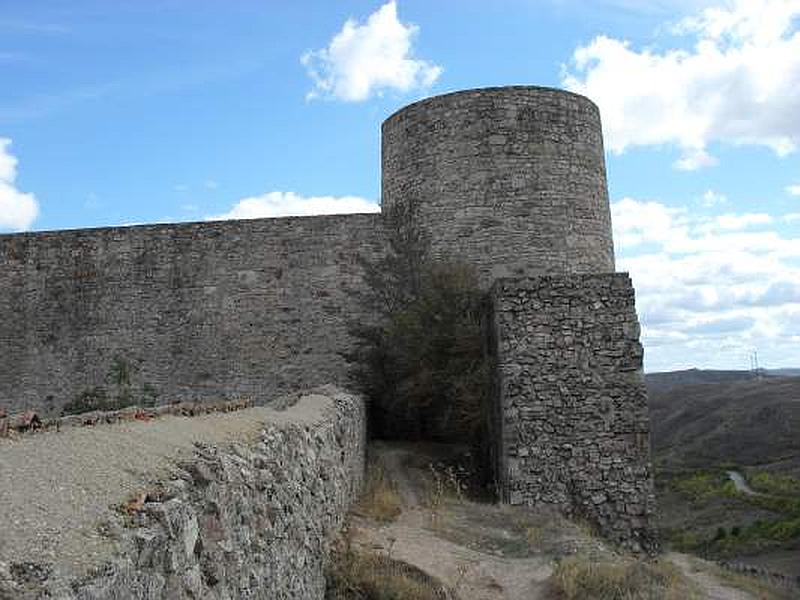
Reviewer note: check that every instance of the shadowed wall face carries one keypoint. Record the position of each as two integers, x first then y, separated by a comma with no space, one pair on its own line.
571,414
202,311
511,179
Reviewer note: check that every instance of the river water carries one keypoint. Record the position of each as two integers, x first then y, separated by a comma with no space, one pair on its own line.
741,484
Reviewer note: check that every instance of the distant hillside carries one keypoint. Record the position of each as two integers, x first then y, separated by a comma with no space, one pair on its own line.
660,382
705,418
784,372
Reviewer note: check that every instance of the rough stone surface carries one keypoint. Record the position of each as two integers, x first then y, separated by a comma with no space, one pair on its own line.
249,519
510,179
197,311
571,405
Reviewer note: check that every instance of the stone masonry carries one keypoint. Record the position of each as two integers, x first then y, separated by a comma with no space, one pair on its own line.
511,180
197,311
252,518
571,405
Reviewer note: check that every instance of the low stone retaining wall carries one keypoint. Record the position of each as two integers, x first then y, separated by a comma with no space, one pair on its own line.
250,519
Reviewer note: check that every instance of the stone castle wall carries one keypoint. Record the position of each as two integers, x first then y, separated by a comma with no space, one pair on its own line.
571,405
197,311
510,179
247,519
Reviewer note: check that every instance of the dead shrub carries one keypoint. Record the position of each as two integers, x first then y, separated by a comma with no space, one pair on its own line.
579,578
380,500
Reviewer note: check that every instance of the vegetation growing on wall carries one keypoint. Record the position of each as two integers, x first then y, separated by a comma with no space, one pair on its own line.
421,362
121,392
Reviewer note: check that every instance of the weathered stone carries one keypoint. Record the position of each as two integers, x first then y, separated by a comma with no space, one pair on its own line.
225,538
586,406
510,179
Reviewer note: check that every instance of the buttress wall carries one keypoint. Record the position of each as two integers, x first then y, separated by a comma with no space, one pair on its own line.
571,422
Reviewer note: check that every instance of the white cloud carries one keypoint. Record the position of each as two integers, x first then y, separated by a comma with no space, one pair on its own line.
711,198
735,222
695,159
793,190
737,83
710,289
18,210
283,204
364,59
636,223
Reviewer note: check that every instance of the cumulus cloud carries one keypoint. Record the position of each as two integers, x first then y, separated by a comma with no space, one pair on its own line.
793,190
737,83
284,204
18,210
714,287
364,59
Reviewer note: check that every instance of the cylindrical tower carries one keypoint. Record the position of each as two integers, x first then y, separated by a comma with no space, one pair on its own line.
511,179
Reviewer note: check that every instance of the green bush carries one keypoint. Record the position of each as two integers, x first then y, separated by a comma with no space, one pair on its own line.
700,487
123,392
779,485
88,400
422,362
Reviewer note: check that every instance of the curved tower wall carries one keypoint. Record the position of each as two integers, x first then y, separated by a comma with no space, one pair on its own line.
510,179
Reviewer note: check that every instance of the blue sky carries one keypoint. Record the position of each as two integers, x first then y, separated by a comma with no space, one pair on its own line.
169,110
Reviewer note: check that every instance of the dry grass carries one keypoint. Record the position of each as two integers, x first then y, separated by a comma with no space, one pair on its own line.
380,500
443,484
578,578
759,588
355,575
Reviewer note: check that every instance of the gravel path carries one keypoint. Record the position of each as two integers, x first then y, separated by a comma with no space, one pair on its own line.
57,487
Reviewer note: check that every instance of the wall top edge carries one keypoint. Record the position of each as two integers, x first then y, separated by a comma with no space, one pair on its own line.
191,225
509,90
529,282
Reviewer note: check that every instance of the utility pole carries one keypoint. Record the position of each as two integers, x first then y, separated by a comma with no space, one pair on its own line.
754,367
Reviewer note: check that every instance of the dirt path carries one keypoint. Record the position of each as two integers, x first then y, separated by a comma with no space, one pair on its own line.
713,588
419,537
481,551
57,487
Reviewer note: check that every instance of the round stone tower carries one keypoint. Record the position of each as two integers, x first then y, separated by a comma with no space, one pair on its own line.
511,179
